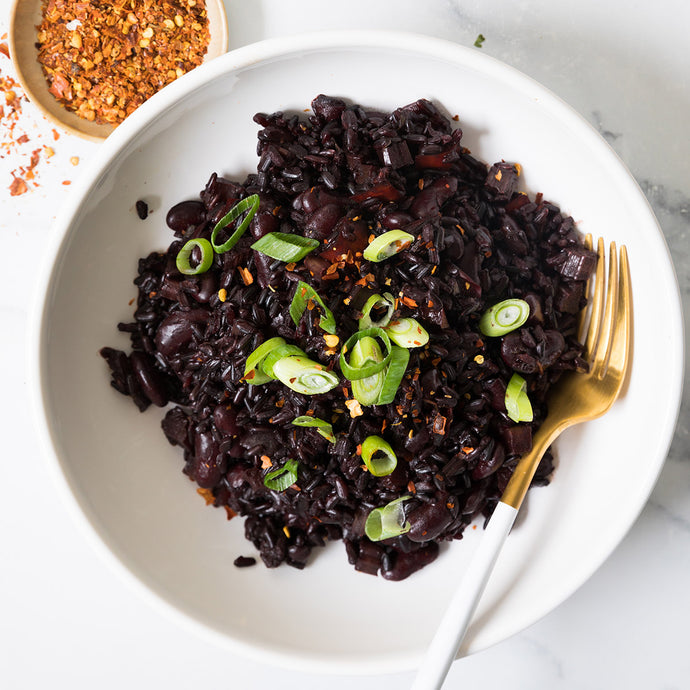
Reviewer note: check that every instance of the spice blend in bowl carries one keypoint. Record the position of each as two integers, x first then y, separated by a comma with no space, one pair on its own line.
90,65
360,337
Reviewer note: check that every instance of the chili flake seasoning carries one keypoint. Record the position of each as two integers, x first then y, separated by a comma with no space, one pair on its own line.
104,59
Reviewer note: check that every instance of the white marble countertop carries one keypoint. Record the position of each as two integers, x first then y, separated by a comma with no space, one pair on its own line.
66,620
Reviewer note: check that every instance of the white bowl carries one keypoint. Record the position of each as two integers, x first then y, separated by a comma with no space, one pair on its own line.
126,479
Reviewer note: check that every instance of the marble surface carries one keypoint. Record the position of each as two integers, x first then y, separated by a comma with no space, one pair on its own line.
67,621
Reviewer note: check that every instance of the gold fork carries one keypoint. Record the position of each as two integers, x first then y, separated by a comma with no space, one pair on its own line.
577,397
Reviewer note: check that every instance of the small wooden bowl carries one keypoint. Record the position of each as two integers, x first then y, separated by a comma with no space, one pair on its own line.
26,15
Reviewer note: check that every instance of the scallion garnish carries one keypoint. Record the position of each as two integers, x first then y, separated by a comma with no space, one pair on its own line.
283,477
324,428
252,368
367,390
183,263
385,301
378,456
285,246
386,245
504,317
250,206
407,332
305,376
387,521
278,353
518,406
394,373
353,372
303,293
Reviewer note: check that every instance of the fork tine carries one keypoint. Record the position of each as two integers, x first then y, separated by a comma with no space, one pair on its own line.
621,341
603,348
597,309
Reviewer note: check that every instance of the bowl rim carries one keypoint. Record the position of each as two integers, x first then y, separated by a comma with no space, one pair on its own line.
136,123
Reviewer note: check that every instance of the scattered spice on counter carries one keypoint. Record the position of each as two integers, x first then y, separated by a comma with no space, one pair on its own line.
15,143
104,59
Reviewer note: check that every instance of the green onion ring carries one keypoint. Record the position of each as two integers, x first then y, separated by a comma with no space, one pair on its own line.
284,246
387,521
400,356
324,428
373,448
407,332
504,317
185,254
518,406
303,293
275,355
304,375
251,206
367,390
374,301
354,373
386,245
283,477
255,359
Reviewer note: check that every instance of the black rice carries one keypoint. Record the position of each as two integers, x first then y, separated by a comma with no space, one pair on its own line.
340,175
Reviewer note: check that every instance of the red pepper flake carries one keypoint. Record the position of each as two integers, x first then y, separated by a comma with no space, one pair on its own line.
411,487
409,302
247,277
67,182
230,512
280,403
433,269
420,184
18,187
467,449
291,266
207,495
266,462
4,49
498,176
359,449
430,303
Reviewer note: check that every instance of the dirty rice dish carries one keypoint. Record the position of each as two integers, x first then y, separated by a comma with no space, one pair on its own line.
446,443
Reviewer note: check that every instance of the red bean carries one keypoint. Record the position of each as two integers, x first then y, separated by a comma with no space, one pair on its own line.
150,379
429,520
405,564
184,215
177,330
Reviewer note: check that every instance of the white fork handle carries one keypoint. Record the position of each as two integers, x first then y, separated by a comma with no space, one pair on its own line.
456,620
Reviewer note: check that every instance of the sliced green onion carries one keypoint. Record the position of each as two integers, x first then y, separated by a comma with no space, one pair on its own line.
386,245
185,254
386,301
407,332
387,521
367,389
305,376
400,356
303,293
324,428
283,477
285,246
275,355
250,206
252,372
518,406
504,317
353,373
378,456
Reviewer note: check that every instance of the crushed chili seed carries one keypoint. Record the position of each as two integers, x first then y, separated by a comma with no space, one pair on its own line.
103,60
